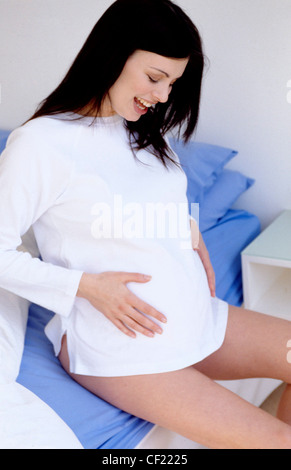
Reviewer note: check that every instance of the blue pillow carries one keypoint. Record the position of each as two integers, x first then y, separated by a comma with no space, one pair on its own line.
3,139
221,196
202,163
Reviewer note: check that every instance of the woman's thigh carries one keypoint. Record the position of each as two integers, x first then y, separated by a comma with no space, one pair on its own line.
190,403
255,345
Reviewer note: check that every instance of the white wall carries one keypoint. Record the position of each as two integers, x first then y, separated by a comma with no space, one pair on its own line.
245,103
245,99
38,42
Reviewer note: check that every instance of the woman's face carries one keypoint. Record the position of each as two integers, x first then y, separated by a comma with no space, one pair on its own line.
146,79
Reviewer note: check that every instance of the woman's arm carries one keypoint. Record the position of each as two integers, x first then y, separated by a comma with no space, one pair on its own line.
32,176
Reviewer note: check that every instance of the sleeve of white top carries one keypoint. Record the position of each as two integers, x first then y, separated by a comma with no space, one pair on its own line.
32,178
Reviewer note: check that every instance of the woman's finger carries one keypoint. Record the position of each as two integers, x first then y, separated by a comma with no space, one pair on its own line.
136,326
123,328
211,279
147,309
144,322
126,277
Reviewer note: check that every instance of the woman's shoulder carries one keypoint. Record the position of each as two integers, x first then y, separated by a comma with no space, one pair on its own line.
42,141
44,133
49,128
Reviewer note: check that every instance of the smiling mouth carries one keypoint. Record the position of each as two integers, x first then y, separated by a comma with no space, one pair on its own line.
142,104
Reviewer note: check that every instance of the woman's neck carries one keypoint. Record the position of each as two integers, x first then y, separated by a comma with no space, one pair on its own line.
105,111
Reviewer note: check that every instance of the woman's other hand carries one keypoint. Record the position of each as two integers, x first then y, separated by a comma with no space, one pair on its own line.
204,256
199,246
108,293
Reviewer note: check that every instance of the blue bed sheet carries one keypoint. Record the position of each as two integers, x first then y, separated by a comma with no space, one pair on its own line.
97,424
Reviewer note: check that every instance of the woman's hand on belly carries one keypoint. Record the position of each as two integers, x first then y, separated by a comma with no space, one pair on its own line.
109,294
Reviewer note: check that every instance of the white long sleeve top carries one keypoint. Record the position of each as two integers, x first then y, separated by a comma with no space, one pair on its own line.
93,207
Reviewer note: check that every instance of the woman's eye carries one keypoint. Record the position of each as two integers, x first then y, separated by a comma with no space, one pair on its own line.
152,79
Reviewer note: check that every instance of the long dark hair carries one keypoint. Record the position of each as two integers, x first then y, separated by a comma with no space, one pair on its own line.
158,26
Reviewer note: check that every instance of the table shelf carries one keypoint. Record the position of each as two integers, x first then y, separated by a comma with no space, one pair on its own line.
266,277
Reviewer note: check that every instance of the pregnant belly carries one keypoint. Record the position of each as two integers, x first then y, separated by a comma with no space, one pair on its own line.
179,290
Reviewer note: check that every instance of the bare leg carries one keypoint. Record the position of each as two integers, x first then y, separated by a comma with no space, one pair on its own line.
255,346
190,403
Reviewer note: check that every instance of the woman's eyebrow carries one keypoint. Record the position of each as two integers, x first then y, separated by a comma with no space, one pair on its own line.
159,70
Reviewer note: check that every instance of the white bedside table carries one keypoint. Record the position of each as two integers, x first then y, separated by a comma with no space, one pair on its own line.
266,270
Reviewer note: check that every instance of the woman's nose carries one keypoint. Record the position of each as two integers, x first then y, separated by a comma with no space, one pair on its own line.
161,94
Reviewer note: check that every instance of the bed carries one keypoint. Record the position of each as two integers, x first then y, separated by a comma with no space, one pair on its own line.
41,407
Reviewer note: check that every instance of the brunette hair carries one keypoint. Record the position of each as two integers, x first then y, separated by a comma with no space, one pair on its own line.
158,26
